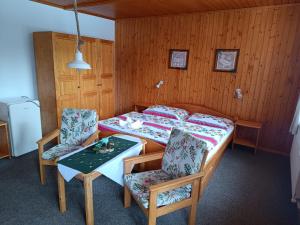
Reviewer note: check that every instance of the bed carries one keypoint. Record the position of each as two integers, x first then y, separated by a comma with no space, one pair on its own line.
156,128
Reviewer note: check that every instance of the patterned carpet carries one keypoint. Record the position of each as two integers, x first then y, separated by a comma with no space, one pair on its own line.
246,189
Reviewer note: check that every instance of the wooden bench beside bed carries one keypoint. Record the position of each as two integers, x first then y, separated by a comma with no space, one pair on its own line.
154,146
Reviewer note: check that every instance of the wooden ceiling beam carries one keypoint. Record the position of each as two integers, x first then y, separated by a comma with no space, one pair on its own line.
88,4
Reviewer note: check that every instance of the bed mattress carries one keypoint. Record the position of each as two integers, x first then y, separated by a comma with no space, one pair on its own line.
159,128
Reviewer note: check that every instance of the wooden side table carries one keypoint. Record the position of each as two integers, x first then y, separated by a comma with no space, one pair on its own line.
243,141
4,141
139,107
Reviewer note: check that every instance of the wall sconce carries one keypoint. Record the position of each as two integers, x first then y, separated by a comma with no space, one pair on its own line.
158,85
238,94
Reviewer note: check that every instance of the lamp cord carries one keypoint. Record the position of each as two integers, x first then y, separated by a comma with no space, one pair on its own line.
79,42
157,97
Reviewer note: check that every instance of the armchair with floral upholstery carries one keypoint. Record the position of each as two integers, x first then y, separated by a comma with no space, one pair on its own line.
176,185
78,129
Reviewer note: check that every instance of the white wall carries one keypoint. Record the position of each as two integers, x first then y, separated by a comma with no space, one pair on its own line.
18,19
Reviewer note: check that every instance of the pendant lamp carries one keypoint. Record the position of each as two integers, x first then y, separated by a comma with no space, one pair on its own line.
78,63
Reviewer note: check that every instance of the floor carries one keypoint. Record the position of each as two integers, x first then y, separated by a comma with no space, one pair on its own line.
246,189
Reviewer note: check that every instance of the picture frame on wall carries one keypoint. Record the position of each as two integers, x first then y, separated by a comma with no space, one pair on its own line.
226,60
178,59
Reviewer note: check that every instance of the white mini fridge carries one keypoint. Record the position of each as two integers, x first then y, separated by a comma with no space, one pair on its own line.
24,123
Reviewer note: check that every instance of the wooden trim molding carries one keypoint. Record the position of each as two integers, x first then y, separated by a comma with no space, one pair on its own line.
88,4
273,151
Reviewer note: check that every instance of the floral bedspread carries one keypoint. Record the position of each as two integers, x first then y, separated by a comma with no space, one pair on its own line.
159,128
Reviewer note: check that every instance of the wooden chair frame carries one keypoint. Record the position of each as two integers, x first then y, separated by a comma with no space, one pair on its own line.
153,212
52,136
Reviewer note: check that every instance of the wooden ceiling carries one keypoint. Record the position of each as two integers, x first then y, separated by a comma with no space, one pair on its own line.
119,9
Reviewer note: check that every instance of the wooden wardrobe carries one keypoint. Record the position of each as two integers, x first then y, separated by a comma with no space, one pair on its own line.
60,87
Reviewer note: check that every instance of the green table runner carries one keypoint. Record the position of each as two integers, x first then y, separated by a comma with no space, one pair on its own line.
88,160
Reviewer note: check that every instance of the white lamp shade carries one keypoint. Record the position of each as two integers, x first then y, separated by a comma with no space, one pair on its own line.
78,62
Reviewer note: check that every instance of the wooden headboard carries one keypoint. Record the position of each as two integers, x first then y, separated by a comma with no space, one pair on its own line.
192,109
200,109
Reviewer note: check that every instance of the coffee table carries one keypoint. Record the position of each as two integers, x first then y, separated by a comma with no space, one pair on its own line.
88,178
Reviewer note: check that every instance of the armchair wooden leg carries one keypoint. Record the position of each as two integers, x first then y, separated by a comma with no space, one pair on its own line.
61,193
152,209
42,167
127,197
42,173
89,205
193,210
151,220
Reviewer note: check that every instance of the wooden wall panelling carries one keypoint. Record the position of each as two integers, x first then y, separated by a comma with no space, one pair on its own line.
286,63
45,68
268,69
276,84
125,59
293,81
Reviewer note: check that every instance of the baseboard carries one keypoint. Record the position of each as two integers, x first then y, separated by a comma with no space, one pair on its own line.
274,151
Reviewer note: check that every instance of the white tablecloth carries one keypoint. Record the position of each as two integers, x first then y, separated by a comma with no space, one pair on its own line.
113,169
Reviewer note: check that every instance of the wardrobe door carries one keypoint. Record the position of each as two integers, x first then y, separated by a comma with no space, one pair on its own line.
66,79
89,96
107,81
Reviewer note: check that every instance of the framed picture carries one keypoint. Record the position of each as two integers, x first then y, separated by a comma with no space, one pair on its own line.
226,60
178,59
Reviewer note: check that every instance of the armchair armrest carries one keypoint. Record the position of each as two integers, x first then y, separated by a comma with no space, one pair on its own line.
131,161
91,139
48,137
176,183
144,158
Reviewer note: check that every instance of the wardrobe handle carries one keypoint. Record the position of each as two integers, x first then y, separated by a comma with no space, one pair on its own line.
99,85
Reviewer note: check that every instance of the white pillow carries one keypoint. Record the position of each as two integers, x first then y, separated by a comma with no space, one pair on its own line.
167,111
209,120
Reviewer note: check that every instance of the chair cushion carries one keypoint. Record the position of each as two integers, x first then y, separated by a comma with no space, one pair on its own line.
139,184
183,154
59,150
77,126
